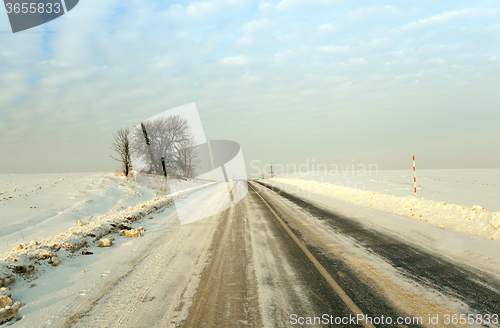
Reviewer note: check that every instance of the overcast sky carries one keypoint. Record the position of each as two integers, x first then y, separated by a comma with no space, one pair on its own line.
291,80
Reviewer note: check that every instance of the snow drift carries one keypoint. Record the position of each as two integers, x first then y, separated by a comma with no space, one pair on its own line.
467,219
24,259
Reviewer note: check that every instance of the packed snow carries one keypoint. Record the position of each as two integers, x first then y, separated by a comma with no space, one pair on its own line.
89,207
36,206
465,200
50,221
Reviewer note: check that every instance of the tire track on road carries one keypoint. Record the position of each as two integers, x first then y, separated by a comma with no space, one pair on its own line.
475,288
335,286
227,295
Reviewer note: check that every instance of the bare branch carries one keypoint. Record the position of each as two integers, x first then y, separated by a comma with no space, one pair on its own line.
120,146
168,137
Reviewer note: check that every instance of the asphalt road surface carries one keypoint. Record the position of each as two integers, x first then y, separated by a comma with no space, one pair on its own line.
278,260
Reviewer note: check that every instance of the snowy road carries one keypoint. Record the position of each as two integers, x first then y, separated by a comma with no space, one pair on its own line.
241,268
410,280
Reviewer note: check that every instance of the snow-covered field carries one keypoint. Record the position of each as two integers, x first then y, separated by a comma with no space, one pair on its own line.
47,219
465,200
43,205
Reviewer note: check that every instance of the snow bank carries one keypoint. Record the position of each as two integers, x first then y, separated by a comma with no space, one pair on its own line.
468,219
36,206
24,259
457,186
9,312
7,309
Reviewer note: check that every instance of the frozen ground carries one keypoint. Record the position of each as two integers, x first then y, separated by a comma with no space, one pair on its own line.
43,205
60,276
74,212
458,186
462,200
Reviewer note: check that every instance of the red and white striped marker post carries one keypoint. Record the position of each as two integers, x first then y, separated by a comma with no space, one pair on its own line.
414,176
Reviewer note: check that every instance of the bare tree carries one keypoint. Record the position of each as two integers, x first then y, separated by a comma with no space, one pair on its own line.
162,137
187,159
122,148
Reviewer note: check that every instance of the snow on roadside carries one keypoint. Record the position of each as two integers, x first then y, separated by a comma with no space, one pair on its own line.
467,219
24,259
7,309
456,186
35,206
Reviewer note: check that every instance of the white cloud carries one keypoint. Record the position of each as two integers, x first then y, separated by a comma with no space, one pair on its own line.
203,10
255,30
237,60
330,49
199,9
285,5
298,54
434,20
363,15
133,59
367,12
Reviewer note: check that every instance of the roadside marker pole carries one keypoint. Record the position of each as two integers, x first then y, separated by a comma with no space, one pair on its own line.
414,176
